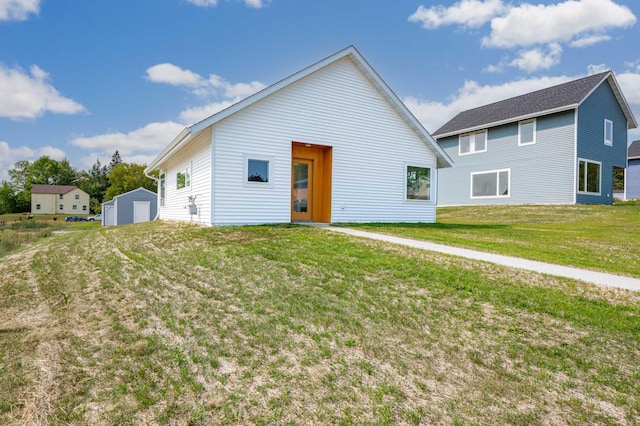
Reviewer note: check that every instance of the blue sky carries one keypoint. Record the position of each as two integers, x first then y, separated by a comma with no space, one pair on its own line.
80,79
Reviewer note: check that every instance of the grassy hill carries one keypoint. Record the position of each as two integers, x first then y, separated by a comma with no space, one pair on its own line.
164,323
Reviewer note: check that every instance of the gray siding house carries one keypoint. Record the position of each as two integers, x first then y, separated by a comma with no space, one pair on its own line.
632,180
558,145
139,205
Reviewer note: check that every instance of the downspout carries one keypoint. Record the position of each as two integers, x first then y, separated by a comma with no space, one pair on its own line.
157,207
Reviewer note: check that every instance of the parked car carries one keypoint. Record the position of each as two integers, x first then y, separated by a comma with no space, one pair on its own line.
74,219
97,217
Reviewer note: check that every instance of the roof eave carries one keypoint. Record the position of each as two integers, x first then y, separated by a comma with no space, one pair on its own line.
177,143
506,121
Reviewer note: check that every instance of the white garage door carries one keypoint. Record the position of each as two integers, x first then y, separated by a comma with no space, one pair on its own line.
109,213
141,211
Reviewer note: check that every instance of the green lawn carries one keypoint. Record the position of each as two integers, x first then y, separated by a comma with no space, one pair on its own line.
604,238
162,323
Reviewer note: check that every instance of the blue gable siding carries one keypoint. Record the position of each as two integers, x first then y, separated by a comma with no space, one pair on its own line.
601,105
541,173
633,180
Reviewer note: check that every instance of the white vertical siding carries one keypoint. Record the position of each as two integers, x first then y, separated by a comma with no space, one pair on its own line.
335,106
197,156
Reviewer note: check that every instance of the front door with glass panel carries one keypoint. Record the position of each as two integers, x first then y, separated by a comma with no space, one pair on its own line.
301,188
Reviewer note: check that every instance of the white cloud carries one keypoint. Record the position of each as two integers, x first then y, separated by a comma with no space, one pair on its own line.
174,75
589,40
144,142
494,68
18,10
256,4
212,86
196,114
596,68
433,114
530,24
536,59
9,156
30,96
468,13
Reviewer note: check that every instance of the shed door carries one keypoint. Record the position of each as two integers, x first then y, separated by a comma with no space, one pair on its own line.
108,216
141,211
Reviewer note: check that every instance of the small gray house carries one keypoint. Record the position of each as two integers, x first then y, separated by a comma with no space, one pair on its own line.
632,179
558,145
139,205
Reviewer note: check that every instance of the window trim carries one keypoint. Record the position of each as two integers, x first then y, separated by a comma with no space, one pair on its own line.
431,186
38,207
608,142
497,172
245,171
186,170
586,185
162,188
520,143
472,142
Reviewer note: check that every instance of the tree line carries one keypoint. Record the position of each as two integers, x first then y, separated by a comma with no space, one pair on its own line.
101,182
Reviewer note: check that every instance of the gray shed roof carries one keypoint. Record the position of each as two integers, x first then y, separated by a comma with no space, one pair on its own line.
552,99
634,150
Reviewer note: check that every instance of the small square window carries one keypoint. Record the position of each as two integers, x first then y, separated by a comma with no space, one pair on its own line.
527,132
418,183
75,207
84,208
37,206
257,170
61,196
77,196
61,207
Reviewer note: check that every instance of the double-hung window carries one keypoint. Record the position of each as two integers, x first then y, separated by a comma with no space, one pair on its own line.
418,183
589,175
608,132
491,184
471,143
527,132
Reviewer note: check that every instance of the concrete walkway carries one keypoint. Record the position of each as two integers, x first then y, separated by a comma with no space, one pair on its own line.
599,278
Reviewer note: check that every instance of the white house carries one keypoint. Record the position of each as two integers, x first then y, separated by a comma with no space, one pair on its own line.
331,143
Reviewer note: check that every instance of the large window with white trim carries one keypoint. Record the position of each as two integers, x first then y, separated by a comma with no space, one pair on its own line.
491,184
589,176
471,143
418,183
527,132
608,132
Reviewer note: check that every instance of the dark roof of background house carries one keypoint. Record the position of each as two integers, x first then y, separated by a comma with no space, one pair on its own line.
562,95
634,150
52,189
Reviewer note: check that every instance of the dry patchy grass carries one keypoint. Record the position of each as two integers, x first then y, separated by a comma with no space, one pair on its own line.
172,324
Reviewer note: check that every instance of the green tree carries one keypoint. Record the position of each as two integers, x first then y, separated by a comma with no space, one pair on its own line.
95,183
125,177
7,198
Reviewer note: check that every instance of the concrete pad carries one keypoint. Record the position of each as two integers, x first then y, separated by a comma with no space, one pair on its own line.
598,278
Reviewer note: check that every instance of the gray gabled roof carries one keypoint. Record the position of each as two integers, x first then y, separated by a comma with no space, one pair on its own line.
634,150
189,133
558,98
